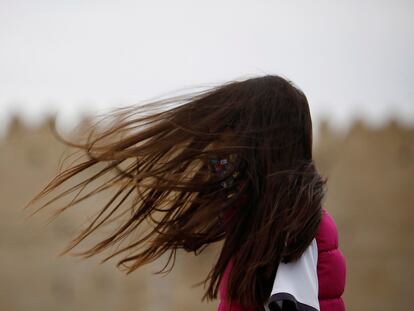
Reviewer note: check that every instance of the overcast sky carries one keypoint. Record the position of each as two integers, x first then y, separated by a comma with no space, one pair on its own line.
351,58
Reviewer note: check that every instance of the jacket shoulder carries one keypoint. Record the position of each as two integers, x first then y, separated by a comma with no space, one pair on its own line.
327,234
331,265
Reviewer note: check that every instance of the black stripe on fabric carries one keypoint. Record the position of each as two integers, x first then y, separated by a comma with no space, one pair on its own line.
292,305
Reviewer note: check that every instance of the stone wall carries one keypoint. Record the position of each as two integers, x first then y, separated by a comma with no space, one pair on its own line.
370,195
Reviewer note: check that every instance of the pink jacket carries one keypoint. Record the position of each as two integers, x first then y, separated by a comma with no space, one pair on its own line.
331,271
331,266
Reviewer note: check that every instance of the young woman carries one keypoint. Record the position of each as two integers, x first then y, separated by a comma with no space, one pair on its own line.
232,163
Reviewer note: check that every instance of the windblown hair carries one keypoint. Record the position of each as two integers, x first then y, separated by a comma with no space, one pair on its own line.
158,156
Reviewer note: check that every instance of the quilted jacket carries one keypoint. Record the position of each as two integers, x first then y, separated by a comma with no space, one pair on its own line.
331,271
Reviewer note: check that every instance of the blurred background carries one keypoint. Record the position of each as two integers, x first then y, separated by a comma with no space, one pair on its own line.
64,61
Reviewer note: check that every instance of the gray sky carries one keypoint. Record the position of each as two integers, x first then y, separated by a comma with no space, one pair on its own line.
353,59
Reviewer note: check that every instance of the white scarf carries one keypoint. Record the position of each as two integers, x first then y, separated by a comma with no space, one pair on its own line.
296,283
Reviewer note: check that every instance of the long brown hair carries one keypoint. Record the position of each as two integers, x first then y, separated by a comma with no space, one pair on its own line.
158,155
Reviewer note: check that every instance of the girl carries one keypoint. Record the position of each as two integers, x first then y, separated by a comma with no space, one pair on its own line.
232,163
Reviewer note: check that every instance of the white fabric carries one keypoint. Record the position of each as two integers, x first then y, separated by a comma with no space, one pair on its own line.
299,278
